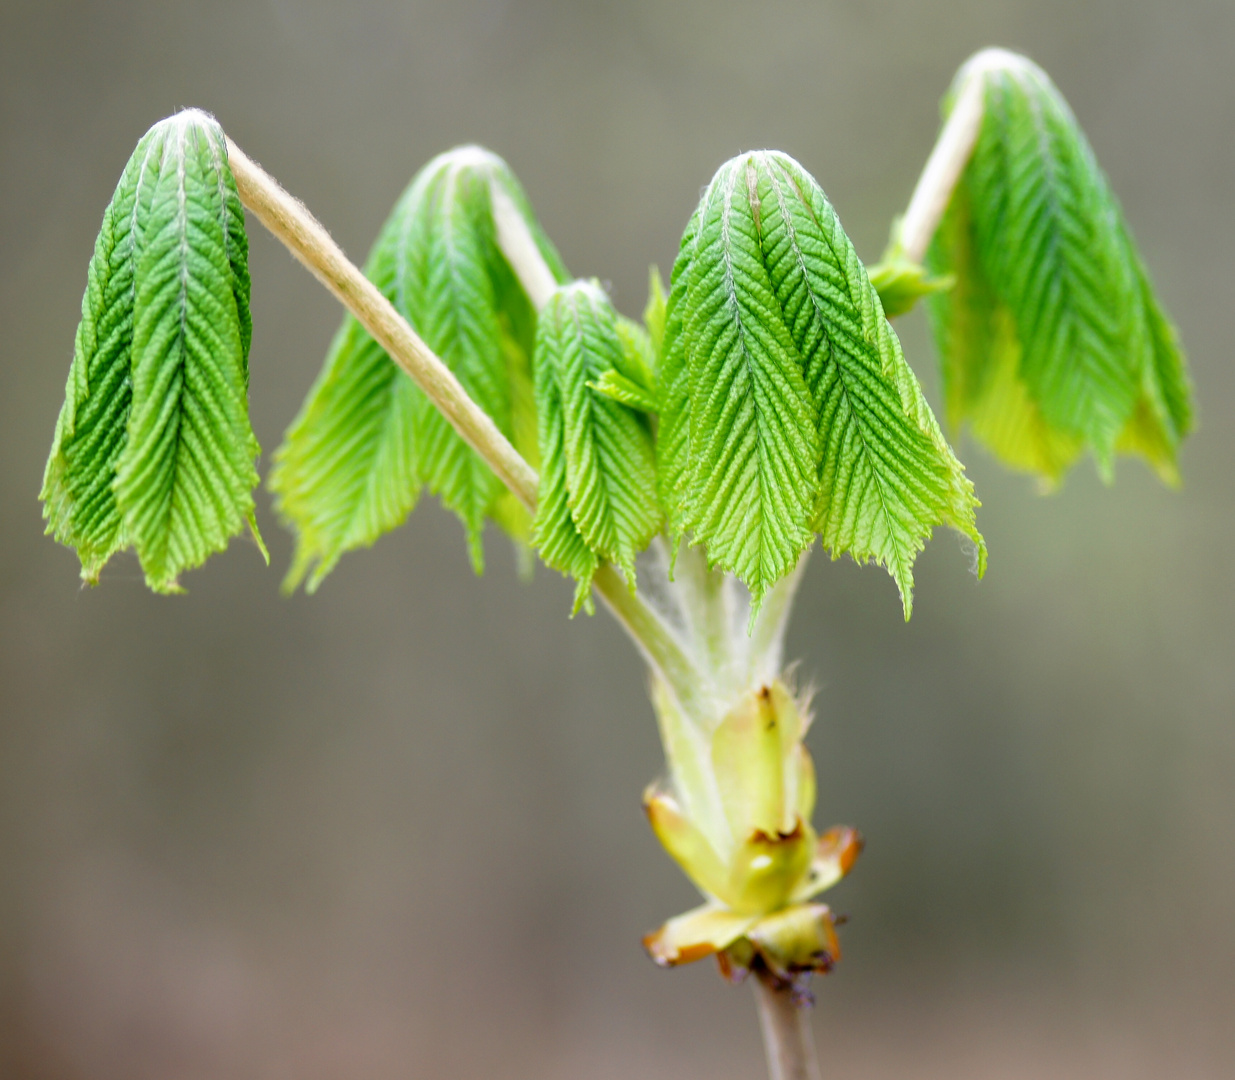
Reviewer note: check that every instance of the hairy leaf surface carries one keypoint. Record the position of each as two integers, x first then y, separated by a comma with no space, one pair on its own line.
367,439
153,448
1053,341
604,487
803,415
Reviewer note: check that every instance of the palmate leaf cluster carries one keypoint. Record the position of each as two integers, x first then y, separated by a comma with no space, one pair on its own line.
787,408
367,440
764,402
153,450
1052,340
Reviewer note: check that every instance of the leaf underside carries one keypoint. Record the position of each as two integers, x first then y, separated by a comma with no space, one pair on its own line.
787,408
1052,341
367,439
153,449
598,481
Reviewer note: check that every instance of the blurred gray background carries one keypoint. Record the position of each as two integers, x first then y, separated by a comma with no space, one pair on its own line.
393,830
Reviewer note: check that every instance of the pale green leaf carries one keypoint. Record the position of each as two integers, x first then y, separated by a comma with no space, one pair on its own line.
613,384
901,283
637,359
633,380
654,311
153,449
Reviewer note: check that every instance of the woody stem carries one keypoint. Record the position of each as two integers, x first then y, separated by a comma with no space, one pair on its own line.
787,1036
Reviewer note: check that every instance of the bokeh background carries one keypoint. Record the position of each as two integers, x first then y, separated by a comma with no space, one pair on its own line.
393,830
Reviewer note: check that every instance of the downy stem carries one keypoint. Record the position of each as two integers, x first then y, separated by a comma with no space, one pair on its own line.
943,169
300,232
787,1035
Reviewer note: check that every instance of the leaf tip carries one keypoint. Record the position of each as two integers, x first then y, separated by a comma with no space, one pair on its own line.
256,533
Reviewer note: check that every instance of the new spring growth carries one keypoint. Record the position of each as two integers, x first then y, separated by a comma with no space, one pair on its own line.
735,815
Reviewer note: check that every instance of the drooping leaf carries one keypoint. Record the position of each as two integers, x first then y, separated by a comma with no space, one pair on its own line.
598,476
367,439
754,453
803,415
980,353
153,448
1053,341
554,531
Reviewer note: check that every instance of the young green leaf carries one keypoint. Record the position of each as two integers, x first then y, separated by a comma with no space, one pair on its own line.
901,283
803,415
153,448
599,474
980,354
366,440
754,434
633,380
1052,341
624,390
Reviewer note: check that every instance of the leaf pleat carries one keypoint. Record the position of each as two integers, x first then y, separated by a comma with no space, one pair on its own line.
80,503
554,531
673,395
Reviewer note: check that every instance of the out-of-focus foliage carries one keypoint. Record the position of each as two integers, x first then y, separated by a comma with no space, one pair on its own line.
1052,341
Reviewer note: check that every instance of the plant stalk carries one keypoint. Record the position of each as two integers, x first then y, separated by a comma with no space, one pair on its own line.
301,233
290,221
786,1028
785,1022
943,169
787,1035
